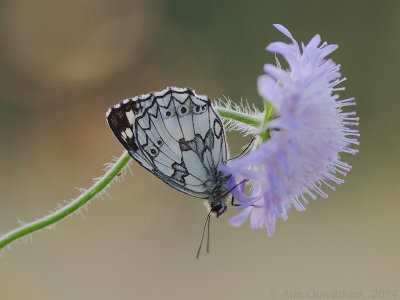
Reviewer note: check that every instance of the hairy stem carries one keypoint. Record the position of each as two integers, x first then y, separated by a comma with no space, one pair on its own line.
70,207
239,116
99,186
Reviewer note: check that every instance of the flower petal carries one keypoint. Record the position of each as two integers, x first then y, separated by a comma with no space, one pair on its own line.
286,32
268,89
239,219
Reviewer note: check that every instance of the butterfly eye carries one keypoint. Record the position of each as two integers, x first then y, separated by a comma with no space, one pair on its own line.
153,151
183,110
160,142
203,107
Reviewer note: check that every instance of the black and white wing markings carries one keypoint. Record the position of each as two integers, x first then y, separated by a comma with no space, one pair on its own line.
121,118
164,152
198,146
219,152
180,172
175,134
178,124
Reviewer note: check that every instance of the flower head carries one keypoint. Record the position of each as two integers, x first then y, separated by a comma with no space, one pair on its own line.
307,135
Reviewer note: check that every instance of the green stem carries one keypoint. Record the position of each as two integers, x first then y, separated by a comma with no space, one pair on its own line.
269,110
99,186
238,116
69,208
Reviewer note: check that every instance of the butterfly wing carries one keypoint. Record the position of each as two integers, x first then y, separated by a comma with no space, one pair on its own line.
175,134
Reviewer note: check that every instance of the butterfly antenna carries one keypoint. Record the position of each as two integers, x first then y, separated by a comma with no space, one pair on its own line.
202,235
208,235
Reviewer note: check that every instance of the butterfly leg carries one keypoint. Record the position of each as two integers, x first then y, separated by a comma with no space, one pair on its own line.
241,153
232,202
228,191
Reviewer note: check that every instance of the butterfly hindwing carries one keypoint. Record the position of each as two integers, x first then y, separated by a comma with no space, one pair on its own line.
175,134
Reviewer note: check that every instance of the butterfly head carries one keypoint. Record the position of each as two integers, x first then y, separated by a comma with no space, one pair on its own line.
218,209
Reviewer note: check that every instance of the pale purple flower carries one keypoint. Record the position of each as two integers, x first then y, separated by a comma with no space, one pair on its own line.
307,136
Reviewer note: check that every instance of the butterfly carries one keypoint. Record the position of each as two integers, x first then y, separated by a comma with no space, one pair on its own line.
178,136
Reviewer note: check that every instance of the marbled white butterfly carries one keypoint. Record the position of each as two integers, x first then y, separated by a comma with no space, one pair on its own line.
178,136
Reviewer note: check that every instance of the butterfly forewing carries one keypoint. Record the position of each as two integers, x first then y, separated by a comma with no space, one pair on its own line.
175,134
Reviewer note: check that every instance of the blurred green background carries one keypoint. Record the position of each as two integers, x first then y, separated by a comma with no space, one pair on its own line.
63,63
